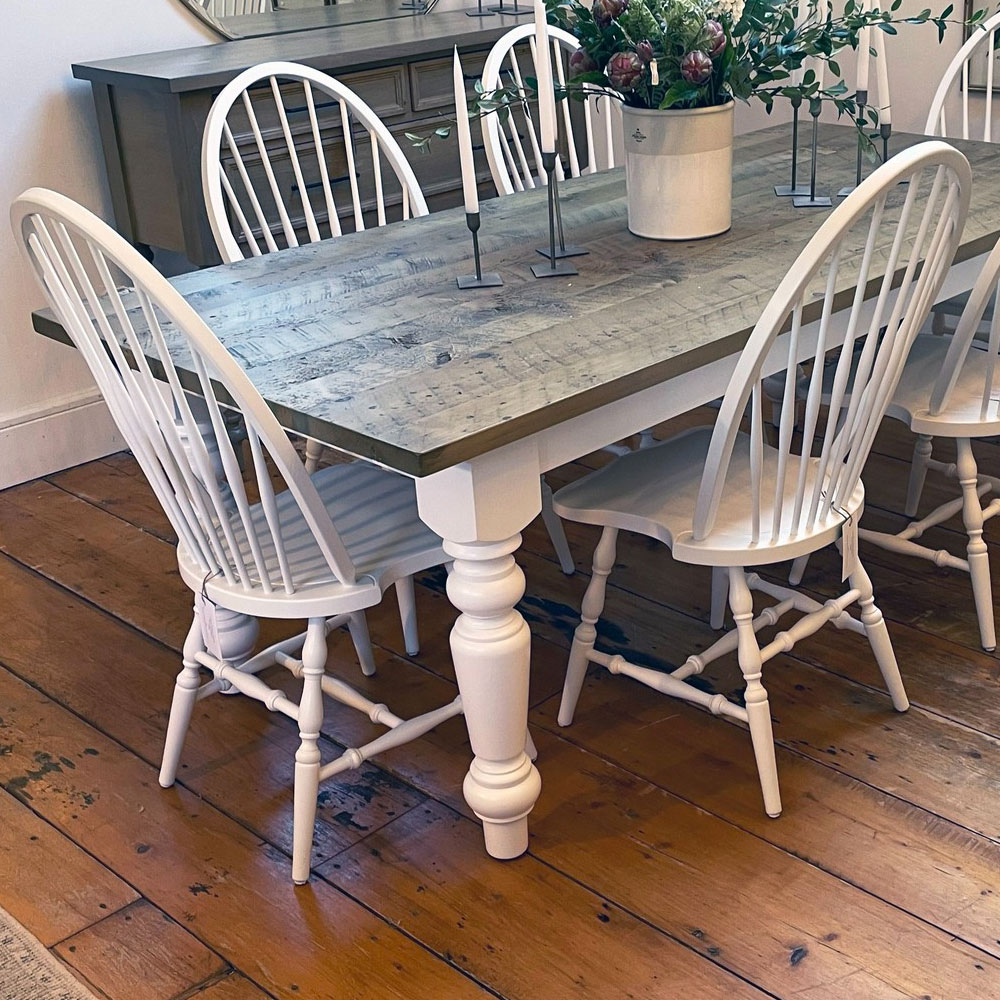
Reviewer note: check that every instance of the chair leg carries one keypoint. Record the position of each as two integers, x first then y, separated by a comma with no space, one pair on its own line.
557,533
720,592
407,601
307,757
357,625
586,632
798,570
878,639
646,439
918,473
978,554
314,451
185,695
758,709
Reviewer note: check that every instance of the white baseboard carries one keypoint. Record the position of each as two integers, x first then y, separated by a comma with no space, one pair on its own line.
55,436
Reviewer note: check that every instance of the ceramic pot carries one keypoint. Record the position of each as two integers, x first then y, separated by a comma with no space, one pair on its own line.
679,171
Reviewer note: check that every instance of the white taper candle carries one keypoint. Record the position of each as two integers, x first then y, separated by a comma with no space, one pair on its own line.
465,141
864,51
543,74
882,68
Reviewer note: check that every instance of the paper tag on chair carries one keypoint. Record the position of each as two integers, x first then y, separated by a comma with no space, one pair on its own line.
849,547
209,622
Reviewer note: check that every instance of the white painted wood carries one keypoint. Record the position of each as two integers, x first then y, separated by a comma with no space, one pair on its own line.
513,149
949,388
250,219
726,498
480,508
982,40
236,8
324,548
491,648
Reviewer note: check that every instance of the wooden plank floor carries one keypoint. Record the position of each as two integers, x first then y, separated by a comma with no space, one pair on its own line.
652,871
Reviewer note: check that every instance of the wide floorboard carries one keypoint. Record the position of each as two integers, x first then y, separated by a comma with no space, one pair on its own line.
652,870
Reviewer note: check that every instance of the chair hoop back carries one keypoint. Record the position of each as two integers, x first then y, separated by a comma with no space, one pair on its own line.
512,148
965,338
915,238
281,110
120,330
982,40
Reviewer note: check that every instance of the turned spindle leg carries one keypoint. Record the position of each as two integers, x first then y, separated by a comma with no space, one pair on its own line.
586,632
758,709
491,647
307,757
978,554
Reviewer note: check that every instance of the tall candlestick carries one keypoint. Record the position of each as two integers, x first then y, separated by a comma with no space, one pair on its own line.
882,68
465,141
543,74
864,53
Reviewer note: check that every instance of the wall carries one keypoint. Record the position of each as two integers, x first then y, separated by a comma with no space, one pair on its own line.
50,416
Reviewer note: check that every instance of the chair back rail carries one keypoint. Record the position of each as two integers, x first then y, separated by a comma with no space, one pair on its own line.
284,111
981,43
117,327
512,148
915,240
982,298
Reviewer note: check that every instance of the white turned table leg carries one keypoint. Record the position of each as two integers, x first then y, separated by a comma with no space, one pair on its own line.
479,509
491,648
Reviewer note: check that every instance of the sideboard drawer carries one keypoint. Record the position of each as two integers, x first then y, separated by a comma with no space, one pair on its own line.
432,81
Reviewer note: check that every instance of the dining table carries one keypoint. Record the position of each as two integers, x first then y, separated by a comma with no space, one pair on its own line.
367,344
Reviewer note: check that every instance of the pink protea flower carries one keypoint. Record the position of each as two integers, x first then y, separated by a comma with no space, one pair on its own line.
644,50
696,67
625,70
605,11
713,39
581,62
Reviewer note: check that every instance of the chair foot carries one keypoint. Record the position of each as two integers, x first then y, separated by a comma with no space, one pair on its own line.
357,625
182,706
758,709
406,598
307,757
878,639
798,570
586,631
557,532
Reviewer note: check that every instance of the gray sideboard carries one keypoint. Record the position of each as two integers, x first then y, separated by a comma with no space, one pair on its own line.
151,110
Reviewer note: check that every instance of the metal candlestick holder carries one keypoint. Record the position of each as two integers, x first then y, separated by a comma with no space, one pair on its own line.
562,250
811,200
793,189
885,131
861,100
514,11
556,267
478,11
478,280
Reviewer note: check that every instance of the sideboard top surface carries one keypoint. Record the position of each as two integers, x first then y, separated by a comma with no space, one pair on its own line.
369,44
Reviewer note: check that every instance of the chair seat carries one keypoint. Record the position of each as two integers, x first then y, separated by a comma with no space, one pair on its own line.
962,417
376,514
654,492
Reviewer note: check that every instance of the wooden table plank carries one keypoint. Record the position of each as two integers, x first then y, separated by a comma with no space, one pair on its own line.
366,343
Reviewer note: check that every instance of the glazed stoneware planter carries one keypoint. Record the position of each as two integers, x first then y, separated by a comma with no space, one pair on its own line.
679,171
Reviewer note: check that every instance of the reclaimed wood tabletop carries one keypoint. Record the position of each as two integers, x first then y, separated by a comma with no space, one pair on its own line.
366,343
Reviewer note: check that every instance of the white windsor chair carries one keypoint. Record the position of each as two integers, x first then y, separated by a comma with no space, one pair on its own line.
342,160
513,150
513,153
949,388
323,549
726,499
975,116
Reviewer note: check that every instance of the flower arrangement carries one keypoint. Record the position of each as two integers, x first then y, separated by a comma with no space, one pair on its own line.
701,53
